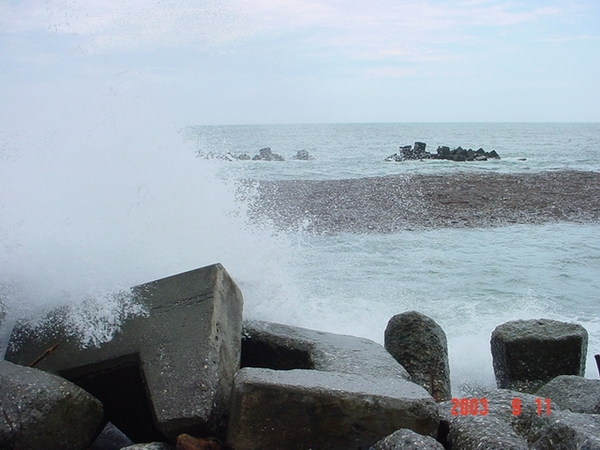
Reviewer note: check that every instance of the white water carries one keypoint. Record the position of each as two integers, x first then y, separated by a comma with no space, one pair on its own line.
90,208
87,213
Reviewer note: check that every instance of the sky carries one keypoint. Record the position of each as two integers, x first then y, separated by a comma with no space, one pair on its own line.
203,62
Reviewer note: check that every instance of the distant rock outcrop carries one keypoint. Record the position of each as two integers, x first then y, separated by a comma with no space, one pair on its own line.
303,155
418,152
265,154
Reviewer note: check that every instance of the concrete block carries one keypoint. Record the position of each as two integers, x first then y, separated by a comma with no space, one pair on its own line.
283,347
301,409
179,360
529,353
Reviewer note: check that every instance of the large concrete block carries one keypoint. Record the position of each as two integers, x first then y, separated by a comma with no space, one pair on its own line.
529,353
301,409
173,367
283,347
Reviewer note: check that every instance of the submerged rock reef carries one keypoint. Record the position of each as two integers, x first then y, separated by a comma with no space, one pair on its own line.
193,375
404,202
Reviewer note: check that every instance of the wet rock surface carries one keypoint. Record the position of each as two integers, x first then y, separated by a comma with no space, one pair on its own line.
283,347
573,393
529,353
419,344
162,374
39,410
492,427
560,430
407,440
297,389
301,409
400,202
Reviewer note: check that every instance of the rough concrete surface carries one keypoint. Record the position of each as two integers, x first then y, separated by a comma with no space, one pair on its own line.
185,352
301,409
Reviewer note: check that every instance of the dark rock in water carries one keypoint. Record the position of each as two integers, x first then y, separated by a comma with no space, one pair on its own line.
111,438
302,409
459,151
163,374
418,152
265,154
419,148
419,344
529,353
39,410
302,155
405,439
443,151
244,157
573,393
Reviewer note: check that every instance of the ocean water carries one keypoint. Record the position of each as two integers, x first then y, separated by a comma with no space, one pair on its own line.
84,217
357,150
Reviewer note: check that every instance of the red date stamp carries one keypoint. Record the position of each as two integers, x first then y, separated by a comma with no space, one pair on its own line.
480,406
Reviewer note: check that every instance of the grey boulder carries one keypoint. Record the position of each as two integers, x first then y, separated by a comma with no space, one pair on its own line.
561,430
491,427
39,410
574,393
419,344
405,439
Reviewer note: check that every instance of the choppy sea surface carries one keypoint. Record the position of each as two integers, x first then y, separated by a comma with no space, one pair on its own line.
468,280
357,150
85,215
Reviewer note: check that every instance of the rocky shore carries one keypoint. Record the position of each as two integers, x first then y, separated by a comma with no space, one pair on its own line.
459,200
192,375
